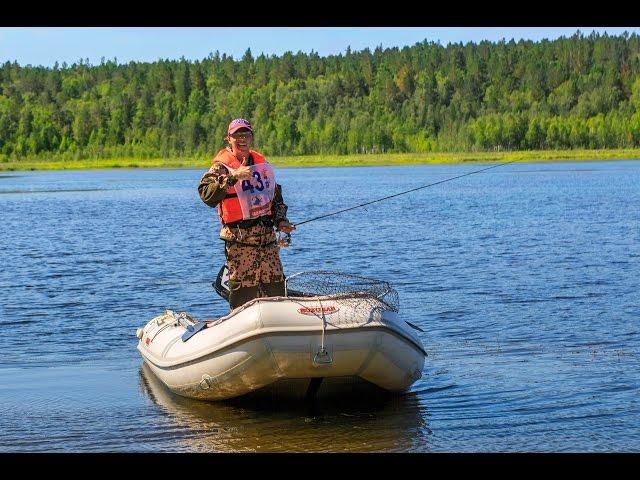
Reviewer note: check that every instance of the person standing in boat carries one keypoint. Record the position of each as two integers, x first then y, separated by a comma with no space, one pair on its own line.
242,185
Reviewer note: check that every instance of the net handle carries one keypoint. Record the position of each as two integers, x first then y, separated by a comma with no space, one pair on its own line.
286,282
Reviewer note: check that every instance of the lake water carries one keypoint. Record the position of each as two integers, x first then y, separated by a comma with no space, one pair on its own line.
524,278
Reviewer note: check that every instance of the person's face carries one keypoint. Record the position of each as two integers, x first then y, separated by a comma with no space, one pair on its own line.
241,140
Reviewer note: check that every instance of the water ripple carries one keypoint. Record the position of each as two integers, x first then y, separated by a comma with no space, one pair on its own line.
524,287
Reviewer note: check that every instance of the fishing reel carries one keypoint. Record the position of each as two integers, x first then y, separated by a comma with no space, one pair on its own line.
283,239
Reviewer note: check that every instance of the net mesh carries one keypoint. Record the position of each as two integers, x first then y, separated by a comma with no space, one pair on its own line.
343,285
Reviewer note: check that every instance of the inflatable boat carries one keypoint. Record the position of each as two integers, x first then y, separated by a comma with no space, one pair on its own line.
327,326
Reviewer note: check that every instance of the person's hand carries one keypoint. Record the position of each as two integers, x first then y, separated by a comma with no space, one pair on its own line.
242,173
286,227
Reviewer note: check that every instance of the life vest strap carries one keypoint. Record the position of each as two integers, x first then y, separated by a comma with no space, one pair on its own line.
266,221
256,245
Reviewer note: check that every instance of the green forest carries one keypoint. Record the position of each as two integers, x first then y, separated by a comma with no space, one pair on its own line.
581,92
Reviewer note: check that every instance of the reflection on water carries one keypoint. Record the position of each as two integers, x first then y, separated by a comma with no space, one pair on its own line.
266,421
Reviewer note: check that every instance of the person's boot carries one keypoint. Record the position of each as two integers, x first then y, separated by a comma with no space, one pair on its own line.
273,289
239,295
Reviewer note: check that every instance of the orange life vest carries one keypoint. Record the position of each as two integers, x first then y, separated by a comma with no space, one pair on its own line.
246,199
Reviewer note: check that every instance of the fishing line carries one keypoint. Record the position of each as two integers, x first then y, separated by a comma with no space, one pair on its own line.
401,193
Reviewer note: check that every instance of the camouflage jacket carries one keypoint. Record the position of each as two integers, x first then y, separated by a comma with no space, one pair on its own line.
213,188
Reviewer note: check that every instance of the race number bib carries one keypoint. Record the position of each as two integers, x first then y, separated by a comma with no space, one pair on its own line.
255,195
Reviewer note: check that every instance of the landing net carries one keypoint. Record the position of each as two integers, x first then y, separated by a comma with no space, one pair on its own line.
342,285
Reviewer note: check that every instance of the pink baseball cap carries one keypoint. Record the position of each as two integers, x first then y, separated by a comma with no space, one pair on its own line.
237,124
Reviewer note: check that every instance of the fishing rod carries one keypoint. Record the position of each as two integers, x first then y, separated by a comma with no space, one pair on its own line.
401,193
285,240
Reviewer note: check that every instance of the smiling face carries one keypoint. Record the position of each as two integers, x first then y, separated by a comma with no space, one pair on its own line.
240,141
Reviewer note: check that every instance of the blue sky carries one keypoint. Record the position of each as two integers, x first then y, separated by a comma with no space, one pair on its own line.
46,45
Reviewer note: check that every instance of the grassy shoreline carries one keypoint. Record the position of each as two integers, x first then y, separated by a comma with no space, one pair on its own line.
534,156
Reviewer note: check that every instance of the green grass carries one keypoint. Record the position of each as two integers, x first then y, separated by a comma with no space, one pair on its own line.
454,158
35,164
336,160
